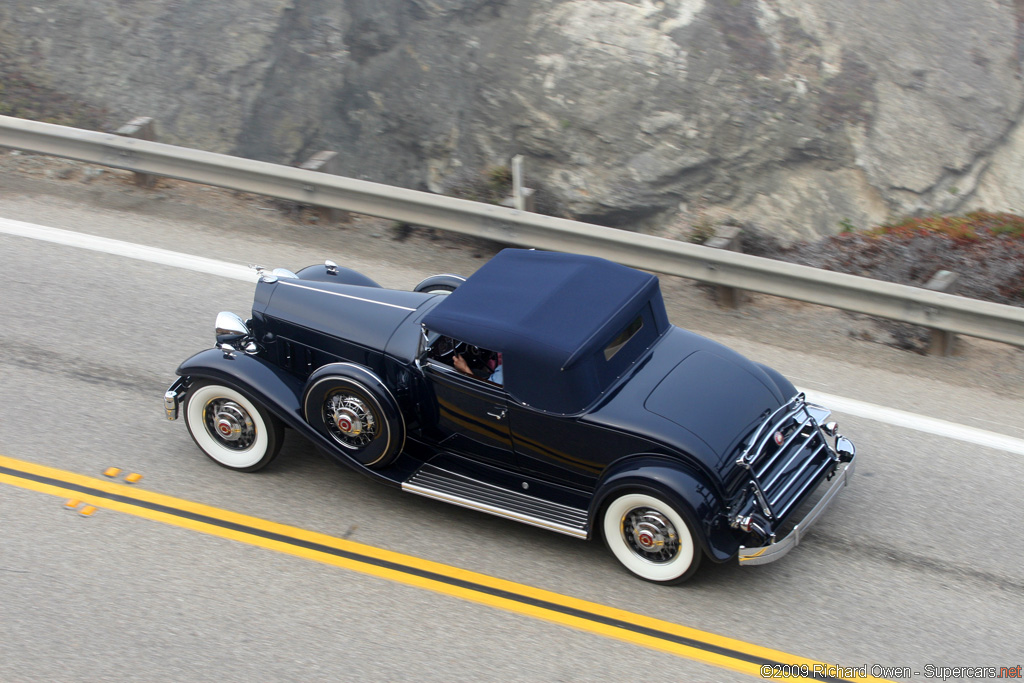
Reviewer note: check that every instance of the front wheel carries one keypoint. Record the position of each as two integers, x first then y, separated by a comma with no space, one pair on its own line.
650,538
230,428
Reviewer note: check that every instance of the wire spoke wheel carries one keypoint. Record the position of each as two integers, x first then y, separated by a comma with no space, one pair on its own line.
358,416
650,538
350,421
234,431
229,423
650,535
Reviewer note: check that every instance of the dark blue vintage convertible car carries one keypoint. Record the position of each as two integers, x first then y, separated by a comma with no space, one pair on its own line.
548,388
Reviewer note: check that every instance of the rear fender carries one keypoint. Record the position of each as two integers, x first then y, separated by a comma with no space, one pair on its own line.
688,490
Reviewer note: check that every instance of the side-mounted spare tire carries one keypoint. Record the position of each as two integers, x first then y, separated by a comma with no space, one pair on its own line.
336,274
440,284
350,405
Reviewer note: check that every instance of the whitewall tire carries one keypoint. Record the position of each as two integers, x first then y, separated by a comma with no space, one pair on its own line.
650,538
231,429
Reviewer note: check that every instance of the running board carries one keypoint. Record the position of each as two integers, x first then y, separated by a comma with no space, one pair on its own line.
433,482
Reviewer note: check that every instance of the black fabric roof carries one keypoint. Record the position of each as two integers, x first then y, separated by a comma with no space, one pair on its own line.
544,311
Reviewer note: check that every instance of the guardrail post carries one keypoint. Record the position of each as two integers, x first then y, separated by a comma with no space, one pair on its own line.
726,237
326,162
141,128
942,340
522,197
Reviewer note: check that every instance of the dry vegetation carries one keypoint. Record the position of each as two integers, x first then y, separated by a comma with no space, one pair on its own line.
986,249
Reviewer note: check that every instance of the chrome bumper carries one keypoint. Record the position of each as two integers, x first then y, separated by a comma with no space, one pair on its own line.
174,396
780,547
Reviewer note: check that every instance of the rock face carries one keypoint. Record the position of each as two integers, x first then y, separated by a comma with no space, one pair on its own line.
796,115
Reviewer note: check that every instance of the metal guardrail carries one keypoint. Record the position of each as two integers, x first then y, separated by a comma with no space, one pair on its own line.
915,305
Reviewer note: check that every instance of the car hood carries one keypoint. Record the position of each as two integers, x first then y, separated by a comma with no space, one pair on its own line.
695,396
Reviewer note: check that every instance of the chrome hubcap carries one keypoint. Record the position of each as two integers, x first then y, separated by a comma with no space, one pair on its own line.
650,535
229,423
350,421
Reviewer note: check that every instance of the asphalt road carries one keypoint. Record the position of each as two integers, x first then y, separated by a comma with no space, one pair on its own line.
919,563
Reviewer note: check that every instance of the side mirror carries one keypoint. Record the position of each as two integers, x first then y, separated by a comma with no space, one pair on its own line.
230,328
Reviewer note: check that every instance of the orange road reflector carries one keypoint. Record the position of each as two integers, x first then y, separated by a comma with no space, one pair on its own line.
87,510
112,471
72,503
133,477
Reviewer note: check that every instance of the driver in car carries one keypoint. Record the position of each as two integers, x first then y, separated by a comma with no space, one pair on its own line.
493,368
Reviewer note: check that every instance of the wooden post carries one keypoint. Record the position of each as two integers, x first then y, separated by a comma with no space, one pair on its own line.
726,237
942,340
326,162
140,128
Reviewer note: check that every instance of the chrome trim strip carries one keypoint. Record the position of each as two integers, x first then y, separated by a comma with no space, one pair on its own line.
759,494
781,547
797,433
794,475
347,296
810,483
770,420
785,467
441,484
818,412
490,509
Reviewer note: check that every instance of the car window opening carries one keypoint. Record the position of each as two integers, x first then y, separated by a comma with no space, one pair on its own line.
471,361
623,338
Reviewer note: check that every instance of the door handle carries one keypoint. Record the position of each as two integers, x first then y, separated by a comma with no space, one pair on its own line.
498,415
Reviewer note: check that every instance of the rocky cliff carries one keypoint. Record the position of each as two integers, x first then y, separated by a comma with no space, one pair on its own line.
795,115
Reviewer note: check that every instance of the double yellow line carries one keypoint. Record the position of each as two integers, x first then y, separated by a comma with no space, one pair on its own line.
514,597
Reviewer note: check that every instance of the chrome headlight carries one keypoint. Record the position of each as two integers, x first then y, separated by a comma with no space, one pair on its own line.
230,328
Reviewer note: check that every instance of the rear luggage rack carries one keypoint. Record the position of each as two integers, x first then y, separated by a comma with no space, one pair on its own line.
786,457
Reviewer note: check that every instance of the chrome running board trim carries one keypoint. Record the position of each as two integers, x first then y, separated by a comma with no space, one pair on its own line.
434,482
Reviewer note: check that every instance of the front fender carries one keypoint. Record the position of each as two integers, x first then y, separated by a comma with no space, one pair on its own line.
687,489
275,390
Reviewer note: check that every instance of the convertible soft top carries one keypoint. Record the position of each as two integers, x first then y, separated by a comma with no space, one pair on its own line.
551,315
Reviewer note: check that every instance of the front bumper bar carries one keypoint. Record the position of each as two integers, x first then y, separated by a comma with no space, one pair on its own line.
174,396
781,547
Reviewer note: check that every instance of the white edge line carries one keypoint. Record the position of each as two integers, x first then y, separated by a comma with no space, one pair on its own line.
850,406
106,245
921,423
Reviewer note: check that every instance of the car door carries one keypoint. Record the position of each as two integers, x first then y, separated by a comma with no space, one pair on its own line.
472,415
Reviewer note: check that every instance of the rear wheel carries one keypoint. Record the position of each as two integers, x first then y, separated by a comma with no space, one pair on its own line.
231,429
651,538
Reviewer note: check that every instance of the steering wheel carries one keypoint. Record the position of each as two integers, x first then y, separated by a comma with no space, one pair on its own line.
446,346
